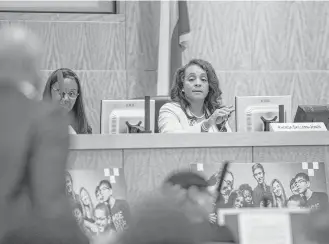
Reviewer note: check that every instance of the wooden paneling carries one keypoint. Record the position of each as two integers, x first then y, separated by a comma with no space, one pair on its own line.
289,35
221,33
142,34
290,154
306,87
260,35
146,169
95,159
98,86
141,83
80,45
66,17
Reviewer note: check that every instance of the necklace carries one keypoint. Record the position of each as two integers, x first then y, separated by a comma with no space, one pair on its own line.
198,117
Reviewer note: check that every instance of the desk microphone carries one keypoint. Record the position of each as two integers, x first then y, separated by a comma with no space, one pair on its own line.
221,180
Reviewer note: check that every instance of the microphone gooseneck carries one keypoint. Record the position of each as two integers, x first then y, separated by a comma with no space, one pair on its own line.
221,180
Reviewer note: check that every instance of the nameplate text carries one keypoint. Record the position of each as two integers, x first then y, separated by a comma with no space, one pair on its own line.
317,126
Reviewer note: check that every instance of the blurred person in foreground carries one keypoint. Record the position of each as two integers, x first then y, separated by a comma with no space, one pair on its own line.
33,150
191,193
159,221
64,88
317,226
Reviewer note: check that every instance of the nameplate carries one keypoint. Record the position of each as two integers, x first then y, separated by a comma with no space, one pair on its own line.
270,227
316,126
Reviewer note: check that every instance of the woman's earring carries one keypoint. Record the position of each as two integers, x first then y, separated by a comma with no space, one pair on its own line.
183,90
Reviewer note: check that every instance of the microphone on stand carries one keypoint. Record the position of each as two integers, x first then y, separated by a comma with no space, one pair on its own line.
221,180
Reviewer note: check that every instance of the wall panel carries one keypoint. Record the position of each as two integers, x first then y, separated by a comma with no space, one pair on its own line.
221,34
146,169
290,154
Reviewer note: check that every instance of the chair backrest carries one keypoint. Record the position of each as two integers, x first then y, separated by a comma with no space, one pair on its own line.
159,102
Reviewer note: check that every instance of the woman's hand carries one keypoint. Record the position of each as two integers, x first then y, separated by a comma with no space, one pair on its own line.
220,115
213,218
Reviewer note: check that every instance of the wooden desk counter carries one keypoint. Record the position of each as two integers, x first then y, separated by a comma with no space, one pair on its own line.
196,140
148,158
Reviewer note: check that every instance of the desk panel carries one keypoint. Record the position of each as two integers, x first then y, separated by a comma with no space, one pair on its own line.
289,154
297,227
145,169
148,158
95,159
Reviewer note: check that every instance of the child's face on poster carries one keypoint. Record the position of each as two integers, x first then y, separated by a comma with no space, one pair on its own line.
68,184
277,190
85,198
78,215
259,175
101,220
227,185
247,196
302,185
99,196
238,203
105,193
294,189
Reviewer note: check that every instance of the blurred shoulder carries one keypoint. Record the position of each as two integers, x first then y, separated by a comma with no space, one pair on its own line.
172,107
48,115
47,109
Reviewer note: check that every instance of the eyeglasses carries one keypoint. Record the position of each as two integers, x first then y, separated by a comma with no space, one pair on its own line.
71,94
104,189
228,182
299,182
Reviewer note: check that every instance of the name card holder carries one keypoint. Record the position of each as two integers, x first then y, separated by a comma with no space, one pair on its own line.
270,227
315,126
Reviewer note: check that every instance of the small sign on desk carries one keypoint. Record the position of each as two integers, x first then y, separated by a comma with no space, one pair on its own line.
316,126
270,227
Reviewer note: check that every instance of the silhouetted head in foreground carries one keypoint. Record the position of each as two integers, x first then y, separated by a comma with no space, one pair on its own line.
158,221
191,192
20,57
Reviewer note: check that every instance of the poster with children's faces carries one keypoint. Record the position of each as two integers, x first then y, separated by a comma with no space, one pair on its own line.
98,200
273,185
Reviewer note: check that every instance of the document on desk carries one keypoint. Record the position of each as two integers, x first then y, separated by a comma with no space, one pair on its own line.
270,227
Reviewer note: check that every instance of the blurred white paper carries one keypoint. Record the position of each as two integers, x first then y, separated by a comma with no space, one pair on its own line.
270,227
71,130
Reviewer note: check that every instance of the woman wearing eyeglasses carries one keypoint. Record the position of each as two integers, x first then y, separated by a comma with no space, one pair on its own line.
63,86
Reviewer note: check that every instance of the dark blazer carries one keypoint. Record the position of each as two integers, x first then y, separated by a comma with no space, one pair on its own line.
33,154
